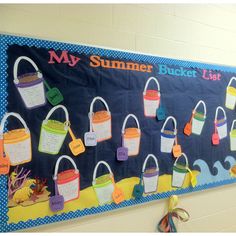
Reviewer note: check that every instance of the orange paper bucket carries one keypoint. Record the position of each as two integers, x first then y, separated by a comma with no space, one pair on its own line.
17,142
131,136
151,99
100,121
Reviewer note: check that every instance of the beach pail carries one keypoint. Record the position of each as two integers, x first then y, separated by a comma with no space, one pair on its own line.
4,160
131,136
179,172
198,119
151,99
30,86
233,137
230,99
150,176
56,202
17,142
221,125
68,181
53,132
168,136
100,121
103,185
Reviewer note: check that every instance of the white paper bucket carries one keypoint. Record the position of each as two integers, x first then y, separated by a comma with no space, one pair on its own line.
221,124
233,137
168,137
131,136
68,181
197,122
100,122
179,173
31,92
230,99
150,179
151,99
103,189
17,142
51,139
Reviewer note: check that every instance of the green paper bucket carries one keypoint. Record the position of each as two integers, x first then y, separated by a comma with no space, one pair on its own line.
53,132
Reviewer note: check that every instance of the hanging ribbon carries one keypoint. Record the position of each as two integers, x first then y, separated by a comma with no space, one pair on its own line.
166,224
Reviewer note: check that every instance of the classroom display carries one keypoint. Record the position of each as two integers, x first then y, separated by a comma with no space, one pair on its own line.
85,130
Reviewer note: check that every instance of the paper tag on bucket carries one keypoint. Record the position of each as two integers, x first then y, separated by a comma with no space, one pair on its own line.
215,139
160,113
138,191
76,146
4,161
177,151
54,96
188,129
90,139
117,195
122,153
56,203
193,178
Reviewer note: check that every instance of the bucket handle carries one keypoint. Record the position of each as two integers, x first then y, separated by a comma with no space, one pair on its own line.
146,160
126,119
232,126
231,80
96,168
16,64
54,109
94,100
58,162
217,111
4,119
185,157
174,121
204,106
147,83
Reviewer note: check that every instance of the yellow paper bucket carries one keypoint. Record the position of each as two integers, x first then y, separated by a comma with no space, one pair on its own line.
230,99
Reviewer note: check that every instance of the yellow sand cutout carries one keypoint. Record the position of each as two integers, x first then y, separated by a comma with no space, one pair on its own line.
87,199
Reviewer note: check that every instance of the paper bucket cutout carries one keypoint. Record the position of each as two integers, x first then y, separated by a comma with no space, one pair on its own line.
103,185
233,137
100,121
230,99
151,98
68,181
17,142
53,132
179,172
56,202
131,136
167,136
221,125
30,86
150,176
198,120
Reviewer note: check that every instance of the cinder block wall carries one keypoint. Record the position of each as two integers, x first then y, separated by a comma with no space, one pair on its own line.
196,32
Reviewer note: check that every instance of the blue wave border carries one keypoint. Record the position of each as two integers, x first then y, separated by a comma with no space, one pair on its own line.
5,41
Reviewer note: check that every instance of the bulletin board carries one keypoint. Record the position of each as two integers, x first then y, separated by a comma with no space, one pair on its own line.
88,130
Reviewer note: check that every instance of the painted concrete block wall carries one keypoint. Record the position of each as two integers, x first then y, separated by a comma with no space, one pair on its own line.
195,32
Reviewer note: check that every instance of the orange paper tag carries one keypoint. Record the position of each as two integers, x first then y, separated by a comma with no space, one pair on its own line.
117,195
4,161
76,145
188,129
177,151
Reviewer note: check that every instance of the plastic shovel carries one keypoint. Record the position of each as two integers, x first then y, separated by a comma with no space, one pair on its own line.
56,202
53,95
117,195
4,161
138,189
76,145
